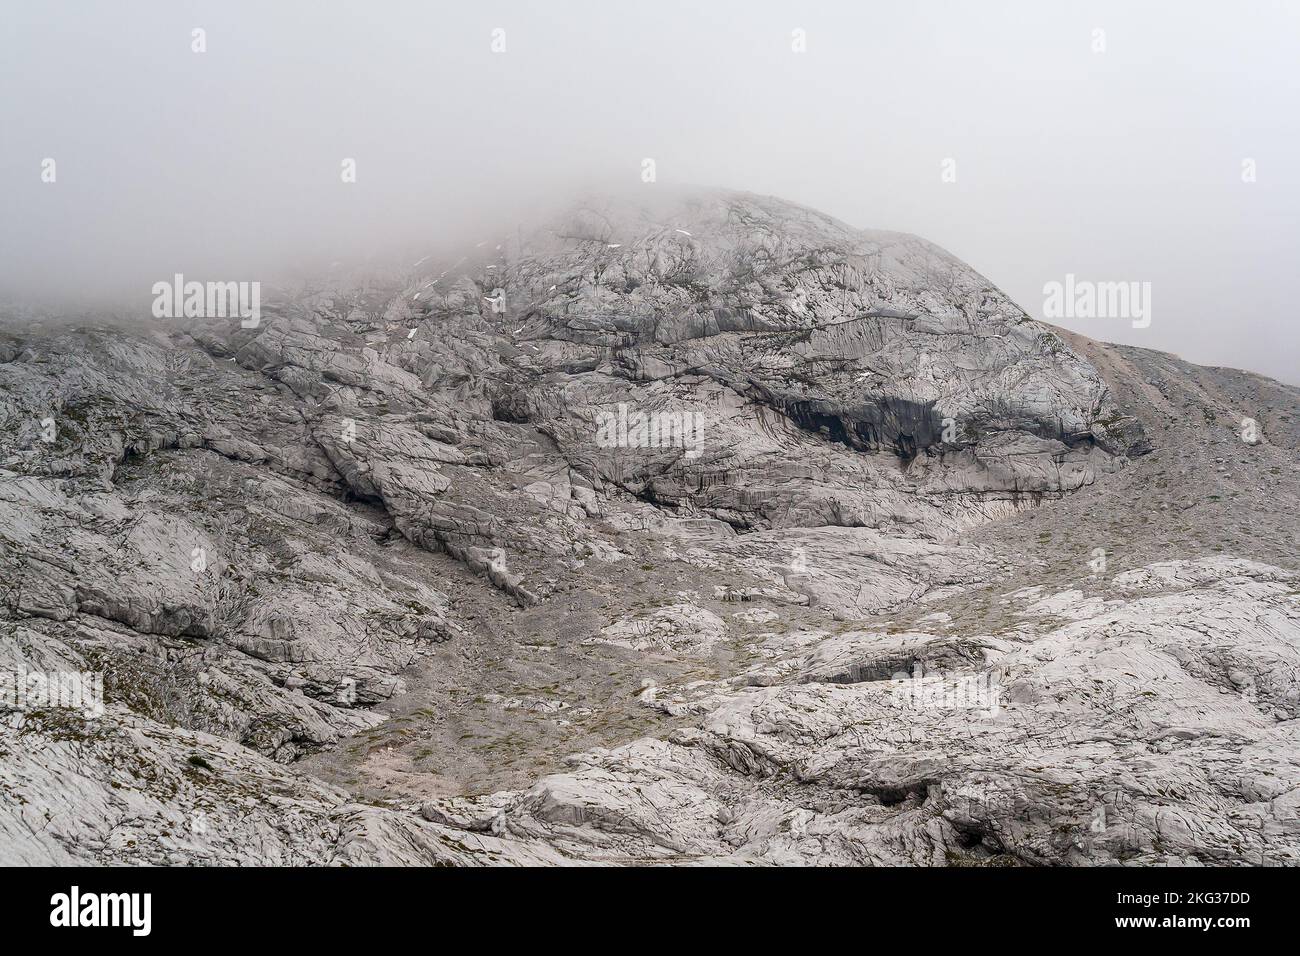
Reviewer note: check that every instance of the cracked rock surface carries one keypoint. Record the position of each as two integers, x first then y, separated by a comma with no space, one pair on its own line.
701,529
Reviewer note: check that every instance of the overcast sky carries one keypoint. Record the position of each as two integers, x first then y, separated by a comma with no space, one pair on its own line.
1122,165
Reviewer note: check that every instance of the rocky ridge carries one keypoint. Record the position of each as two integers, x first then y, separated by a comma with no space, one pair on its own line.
371,583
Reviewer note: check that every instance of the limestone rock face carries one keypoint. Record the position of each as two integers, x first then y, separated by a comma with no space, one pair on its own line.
1127,735
695,528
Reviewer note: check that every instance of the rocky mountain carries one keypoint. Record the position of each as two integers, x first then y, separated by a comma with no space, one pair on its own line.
696,529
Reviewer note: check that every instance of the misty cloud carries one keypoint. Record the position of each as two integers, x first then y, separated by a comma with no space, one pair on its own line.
999,132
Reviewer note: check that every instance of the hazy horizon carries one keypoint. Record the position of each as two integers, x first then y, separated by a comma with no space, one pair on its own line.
1118,165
